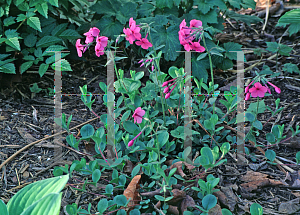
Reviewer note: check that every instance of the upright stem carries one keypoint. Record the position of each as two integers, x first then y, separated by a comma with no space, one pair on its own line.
211,72
157,66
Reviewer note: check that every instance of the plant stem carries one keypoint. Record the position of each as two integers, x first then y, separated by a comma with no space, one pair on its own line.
254,119
156,61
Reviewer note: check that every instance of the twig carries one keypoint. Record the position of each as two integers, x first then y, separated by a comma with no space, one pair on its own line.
35,142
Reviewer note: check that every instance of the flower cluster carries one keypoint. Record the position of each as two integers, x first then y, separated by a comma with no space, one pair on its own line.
101,42
133,33
186,35
152,67
259,90
166,90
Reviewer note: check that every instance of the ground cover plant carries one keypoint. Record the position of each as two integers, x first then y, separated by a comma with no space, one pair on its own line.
149,124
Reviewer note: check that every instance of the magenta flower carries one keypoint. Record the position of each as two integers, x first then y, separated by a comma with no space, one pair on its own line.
93,32
258,90
99,50
197,47
129,36
269,91
182,24
195,23
144,43
138,115
166,89
247,96
167,82
277,89
102,40
79,48
247,88
132,141
169,93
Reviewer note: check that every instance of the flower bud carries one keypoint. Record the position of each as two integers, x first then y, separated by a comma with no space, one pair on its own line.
140,61
142,64
247,96
167,96
166,90
278,90
130,143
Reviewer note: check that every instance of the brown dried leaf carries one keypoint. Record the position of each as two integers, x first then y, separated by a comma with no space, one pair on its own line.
132,191
187,202
178,196
178,165
215,210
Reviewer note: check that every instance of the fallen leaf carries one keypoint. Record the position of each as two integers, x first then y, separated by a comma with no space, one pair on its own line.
131,191
289,207
215,210
187,202
179,170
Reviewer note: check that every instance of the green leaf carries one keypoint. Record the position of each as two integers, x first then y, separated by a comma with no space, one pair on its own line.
256,209
34,192
35,23
70,34
109,189
3,208
270,137
249,4
52,49
8,68
204,6
226,212
270,154
249,116
54,2
109,27
209,201
298,157
261,107
65,65
128,10
145,9
293,18
290,67
9,21
164,3
231,49
47,41
59,29
102,206
25,66
168,37
159,198
35,88
225,148
257,124
87,131
235,3
243,18
163,138
96,175
50,203
135,170
125,116
121,200
130,127
272,46
285,50
43,9
131,85
13,42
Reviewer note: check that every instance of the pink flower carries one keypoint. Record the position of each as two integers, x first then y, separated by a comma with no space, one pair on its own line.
144,43
129,36
197,47
169,93
79,48
247,96
277,89
269,91
102,40
152,68
167,82
195,23
182,24
99,50
138,115
132,23
258,90
132,141
89,39
247,88
166,89
93,32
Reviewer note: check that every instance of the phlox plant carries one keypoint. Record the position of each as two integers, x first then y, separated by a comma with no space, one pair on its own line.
149,133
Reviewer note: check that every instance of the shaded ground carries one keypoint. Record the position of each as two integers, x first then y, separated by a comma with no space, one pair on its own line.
18,127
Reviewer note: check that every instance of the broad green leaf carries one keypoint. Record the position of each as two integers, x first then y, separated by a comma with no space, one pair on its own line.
164,3
256,209
25,66
102,205
96,175
231,49
87,131
59,29
109,27
35,23
3,208
13,42
9,21
209,201
47,41
65,65
244,18
49,204
169,38
54,2
270,154
293,18
120,200
8,68
257,124
70,34
34,192
128,10
289,67
52,49
130,127
43,9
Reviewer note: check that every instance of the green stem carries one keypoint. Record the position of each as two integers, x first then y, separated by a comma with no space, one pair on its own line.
254,119
156,61
211,71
